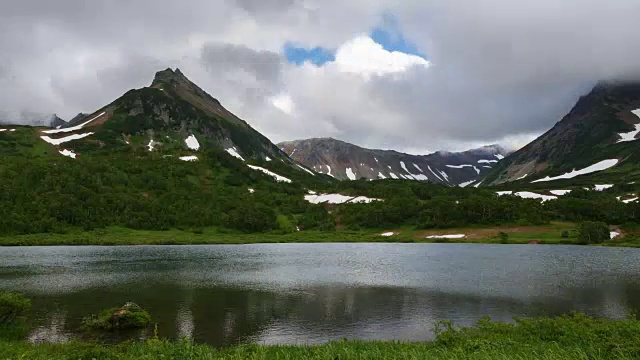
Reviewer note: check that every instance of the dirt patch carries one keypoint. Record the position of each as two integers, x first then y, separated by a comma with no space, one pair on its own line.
484,233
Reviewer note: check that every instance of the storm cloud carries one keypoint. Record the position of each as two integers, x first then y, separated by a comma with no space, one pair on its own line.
493,71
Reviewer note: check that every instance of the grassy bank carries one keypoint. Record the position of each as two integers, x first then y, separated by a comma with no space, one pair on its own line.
567,337
124,236
544,234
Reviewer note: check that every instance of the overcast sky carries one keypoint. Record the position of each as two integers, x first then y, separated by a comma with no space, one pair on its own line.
411,75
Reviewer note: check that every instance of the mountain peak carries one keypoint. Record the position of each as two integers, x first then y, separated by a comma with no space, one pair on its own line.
168,76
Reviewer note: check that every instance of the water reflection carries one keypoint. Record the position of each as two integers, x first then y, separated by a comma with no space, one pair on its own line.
313,294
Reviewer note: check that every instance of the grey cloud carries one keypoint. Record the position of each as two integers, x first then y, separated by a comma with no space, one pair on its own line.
256,7
265,66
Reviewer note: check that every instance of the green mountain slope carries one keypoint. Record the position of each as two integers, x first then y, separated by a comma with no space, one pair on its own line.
592,132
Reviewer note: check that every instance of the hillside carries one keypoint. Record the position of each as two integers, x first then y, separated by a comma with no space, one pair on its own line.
595,142
345,161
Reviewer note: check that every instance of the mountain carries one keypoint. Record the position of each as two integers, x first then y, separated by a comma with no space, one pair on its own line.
167,112
161,157
346,161
596,141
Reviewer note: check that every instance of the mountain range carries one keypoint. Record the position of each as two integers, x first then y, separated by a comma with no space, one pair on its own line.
345,161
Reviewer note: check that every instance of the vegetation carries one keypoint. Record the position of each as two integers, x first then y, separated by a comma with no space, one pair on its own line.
572,336
591,232
128,316
13,307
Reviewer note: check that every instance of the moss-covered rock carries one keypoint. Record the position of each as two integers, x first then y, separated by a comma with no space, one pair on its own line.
128,316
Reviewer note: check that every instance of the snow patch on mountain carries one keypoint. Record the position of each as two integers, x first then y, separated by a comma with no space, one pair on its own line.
337,199
68,153
192,143
465,184
188,158
64,139
350,174
305,169
278,178
602,165
487,161
631,135
233,152
73,128
560,192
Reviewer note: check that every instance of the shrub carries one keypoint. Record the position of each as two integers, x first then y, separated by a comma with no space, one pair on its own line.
504,237
129,316
13,306
565,234
593,232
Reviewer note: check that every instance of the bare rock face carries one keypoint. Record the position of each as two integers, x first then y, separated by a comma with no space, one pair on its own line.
346,161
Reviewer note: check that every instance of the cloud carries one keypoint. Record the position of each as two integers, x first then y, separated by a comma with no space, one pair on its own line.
497,71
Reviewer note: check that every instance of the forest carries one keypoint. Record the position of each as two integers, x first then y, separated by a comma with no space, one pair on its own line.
153,192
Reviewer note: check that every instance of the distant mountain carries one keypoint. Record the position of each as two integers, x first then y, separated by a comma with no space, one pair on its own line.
30,118
597,140
345,161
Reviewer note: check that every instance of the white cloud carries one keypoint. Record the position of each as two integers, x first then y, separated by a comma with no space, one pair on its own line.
364,56
283,102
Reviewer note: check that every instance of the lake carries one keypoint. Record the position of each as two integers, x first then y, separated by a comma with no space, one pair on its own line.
313,293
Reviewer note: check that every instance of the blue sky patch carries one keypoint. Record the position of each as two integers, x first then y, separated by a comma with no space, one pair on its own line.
390,36
299,55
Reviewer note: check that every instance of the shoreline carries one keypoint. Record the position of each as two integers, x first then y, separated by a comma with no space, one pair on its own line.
533,235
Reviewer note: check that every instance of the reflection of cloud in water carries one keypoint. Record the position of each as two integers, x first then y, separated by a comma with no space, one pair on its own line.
184,321
52,332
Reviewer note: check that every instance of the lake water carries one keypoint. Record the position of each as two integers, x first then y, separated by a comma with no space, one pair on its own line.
313,293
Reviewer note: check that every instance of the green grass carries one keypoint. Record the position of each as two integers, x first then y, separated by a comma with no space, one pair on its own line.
544,234
573,336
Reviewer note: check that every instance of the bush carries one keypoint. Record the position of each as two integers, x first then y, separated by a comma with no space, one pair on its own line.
12,307
593,232
129,316
504,237
565,234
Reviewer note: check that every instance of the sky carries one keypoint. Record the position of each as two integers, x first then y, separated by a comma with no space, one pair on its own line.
412,75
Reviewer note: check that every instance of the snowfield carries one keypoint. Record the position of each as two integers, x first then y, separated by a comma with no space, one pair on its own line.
278,178
434,174
233,152
613,234
337,199
418,167
192,143
388,234
603,187
454,236
381,176
602,165
64,139
499,157
73,128
631,135
487,161
393,175
68,153
188,158
522,177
